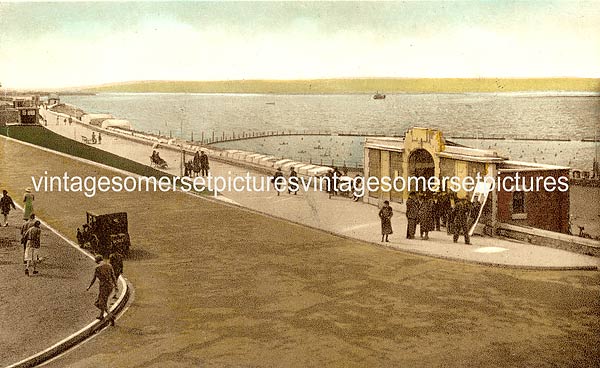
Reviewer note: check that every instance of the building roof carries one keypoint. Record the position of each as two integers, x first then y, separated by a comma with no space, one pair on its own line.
514,166
451,151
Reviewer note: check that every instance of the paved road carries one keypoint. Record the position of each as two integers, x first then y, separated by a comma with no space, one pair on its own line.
218,286
40,310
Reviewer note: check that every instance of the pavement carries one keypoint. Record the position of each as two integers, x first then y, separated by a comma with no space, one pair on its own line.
343,217
218,285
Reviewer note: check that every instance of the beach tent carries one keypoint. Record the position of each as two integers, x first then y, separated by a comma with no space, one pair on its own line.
116,123
95,119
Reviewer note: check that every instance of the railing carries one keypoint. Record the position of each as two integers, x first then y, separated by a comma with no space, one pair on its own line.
214,137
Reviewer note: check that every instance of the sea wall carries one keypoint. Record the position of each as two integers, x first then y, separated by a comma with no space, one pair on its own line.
550,239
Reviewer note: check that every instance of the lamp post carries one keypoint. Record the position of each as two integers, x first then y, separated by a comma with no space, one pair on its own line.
182,157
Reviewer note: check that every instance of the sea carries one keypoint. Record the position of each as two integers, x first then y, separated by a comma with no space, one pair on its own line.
555,128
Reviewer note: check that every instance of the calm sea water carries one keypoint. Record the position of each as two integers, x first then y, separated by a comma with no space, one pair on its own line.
508,115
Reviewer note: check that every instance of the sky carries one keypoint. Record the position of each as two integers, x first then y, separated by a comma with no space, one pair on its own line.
64,44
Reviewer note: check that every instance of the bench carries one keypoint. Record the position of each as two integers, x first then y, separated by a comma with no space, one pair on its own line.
85,139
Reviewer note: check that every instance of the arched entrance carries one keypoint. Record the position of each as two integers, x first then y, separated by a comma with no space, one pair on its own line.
420,164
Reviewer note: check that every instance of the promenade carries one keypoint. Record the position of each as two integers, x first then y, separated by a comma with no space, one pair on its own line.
344,217
218,285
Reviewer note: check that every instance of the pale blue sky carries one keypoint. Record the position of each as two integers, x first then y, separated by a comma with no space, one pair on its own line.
71,44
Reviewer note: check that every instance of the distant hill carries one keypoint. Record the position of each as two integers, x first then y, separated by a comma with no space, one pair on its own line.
362,85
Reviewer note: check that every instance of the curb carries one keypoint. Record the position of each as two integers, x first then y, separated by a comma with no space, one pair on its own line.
84,333
78,337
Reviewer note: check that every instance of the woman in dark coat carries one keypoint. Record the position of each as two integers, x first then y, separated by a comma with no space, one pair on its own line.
426,217
385,214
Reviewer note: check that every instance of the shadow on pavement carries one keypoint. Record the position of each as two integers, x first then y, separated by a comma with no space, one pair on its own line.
140,255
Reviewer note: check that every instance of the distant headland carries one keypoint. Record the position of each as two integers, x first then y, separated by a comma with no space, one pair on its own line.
353,85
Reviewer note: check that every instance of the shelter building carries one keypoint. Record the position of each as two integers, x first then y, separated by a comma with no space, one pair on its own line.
425,153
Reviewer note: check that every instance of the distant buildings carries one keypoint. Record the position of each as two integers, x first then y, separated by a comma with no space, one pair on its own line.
19,110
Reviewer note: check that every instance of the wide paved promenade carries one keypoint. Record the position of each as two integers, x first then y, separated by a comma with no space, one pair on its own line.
220,286
347,218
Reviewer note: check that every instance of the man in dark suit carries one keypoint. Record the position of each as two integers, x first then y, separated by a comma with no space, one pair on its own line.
462,214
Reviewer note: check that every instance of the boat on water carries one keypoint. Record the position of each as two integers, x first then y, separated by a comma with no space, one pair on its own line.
378,96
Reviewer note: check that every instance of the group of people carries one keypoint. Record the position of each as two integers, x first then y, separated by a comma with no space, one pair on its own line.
107,273
30,230
198,166
94,141
292,178
431,211
157,160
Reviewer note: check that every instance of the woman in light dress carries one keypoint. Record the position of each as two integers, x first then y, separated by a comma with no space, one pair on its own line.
28,200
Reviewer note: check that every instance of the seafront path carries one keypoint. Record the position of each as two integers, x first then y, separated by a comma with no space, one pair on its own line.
218,285
344,217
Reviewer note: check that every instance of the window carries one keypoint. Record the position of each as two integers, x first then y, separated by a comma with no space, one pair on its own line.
518,206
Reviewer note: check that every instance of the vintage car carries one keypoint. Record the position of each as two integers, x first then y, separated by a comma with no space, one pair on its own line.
105,234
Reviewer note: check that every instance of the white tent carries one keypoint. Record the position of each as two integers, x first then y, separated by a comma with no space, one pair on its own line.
95,119
116,123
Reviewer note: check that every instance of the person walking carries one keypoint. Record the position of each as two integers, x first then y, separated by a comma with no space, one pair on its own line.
357,184
385,214
204,167
116,261
277,183
32,247
425,217
28,200
293,179
5,204
105,275
436,210
444,209
99,138
460,226
412,215
451,211
197,164
26,226
330,183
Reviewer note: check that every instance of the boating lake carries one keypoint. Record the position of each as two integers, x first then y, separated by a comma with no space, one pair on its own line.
510,115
